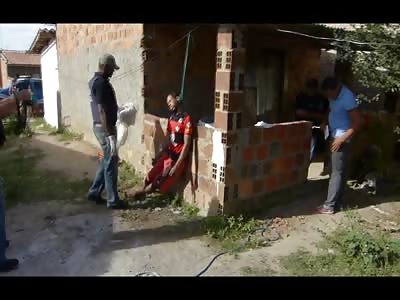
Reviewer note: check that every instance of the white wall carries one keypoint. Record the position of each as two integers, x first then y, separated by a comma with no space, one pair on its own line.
49,64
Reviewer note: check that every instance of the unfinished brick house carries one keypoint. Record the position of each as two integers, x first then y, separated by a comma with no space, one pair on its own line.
237,75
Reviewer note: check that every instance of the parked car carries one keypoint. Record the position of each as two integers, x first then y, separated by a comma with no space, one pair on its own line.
27,82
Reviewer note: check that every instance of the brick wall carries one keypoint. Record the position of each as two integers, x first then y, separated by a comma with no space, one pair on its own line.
199,187
163,68
266,160
79,48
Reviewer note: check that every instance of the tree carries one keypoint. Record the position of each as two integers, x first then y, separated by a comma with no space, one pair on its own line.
374,52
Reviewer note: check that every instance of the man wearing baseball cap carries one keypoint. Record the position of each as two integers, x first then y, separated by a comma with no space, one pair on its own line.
103,104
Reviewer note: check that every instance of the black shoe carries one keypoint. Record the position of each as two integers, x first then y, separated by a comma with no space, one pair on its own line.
9,265
98,200
7,244
120,205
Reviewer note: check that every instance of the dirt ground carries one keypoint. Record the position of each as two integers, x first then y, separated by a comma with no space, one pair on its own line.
77,238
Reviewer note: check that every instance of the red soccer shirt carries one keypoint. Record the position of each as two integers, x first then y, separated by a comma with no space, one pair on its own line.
179,125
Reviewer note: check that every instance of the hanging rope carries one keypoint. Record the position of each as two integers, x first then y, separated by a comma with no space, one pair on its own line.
185,64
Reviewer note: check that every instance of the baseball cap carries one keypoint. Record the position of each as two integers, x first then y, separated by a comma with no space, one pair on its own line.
108,59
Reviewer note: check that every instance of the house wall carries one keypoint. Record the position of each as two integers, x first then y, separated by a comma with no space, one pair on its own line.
13,71
164,68
302,62
79,48
50,83
3,72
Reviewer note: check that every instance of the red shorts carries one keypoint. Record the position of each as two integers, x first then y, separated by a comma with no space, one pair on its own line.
158,175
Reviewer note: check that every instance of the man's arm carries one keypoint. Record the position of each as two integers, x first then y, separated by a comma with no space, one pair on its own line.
356,124
8,106
186,145
185,149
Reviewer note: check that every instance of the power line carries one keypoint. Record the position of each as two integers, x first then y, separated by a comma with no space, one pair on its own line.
337,40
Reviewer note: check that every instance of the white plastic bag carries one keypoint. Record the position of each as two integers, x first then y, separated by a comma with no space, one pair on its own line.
126,118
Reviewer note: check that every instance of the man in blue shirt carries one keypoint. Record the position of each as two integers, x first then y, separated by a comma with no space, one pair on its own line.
344,121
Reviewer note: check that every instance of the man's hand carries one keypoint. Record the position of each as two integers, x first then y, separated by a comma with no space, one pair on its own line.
337,143
113,145
172,171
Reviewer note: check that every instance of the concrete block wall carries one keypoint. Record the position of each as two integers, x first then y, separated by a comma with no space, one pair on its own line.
79,48
266,160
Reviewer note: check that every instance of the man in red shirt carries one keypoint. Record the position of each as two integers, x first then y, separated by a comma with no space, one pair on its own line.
169,165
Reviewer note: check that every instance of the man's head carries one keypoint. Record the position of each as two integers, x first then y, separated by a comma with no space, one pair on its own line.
311,86
331,87
173,101
107,65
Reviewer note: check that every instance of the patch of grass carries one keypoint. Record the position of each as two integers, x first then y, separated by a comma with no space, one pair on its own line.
188,210
41,124
233,232
249,271
23,182
63,133
127,176
350,250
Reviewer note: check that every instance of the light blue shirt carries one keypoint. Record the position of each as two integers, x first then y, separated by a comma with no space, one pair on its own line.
339,117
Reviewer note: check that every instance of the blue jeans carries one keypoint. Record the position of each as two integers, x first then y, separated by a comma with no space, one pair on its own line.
107,172
2,223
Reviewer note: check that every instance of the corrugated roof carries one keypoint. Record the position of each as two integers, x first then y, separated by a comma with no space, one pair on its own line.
42,39
21,58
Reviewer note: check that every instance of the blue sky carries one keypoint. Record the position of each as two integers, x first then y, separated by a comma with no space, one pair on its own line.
17,36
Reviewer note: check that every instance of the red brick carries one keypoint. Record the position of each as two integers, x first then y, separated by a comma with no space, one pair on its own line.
207,151
271,183
289,146
248,154
294,177
306,145
289,162
246,188
258,186
224,39
245,171
221,120
230,175
204,167
281,133
292,130
222,81
284,179
267,167
262,152
148,141
255,135
204,184
202,132
300,159
278,165
270,134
